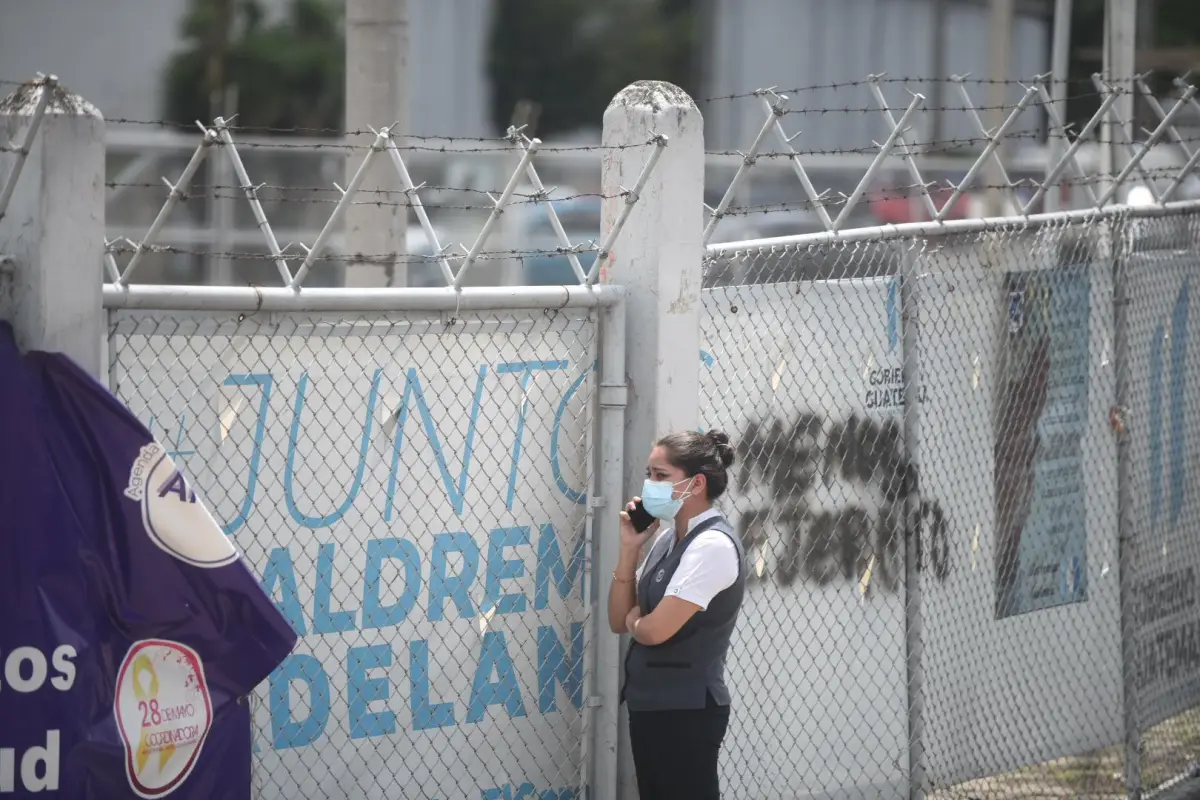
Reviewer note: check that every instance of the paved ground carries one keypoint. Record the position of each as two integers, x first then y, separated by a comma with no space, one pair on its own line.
1169,750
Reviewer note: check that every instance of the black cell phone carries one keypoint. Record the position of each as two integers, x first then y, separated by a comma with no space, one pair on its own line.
640,517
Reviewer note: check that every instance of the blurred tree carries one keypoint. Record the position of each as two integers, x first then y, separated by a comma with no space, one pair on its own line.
571,56
1176,25
287,74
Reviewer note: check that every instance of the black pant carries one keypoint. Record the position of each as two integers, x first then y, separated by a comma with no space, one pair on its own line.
675,752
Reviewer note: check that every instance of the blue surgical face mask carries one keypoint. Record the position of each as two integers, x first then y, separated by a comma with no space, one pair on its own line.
659,498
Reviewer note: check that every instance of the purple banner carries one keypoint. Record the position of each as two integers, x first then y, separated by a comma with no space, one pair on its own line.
132,631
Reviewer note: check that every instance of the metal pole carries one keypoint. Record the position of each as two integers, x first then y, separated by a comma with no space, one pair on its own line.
1126,544
589,579
1060,68
223,197
949,227
1000,27
266,299
377,95
221,104
746,121
605,779
1120,43
937,92
1147,28
914,633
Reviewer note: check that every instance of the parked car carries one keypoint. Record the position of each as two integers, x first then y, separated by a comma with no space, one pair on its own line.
540,264
581,219
423,268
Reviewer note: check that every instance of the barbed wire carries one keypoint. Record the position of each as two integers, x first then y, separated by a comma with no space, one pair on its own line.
876,109
292,252
402,141
885,80
589,148
874,193
197,189
934,146
234,127
950,145
503,141
280,194
938,191
201,190
402,147
322,201
870,80
925,147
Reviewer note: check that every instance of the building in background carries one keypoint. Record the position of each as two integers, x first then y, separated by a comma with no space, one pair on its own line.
113,52
819,43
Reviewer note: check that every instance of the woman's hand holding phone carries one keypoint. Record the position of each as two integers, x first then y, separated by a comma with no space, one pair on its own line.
636,525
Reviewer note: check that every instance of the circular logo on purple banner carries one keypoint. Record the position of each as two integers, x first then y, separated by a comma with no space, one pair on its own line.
164,712
174,518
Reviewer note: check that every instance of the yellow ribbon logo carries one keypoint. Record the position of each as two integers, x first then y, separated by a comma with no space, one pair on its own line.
148,704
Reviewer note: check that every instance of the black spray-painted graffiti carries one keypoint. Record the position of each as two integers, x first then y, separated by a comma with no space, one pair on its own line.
835,495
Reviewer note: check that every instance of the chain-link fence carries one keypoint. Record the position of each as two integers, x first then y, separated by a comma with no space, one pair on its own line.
411,491
1049,372
966,462
1160,516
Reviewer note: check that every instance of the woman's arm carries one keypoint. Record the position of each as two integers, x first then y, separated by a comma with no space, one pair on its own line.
622,593
663,622
707,568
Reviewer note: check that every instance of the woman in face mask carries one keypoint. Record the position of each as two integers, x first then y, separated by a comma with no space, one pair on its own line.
679,606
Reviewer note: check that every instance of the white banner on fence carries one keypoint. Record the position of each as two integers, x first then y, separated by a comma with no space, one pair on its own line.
412,497
1032,593
1165,448
808,383
1041,421
808,378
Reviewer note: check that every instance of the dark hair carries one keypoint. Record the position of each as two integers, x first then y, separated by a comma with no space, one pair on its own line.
709,454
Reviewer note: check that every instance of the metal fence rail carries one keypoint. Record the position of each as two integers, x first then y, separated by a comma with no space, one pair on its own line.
965,492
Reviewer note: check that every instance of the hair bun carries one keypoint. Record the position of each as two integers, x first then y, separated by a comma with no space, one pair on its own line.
720,441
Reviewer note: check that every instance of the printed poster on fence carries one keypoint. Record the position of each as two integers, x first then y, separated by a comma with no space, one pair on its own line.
809,383
412,497
1041,414
1164,453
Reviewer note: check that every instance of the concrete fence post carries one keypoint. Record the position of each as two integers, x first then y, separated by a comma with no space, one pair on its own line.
52,232
659,261
377,94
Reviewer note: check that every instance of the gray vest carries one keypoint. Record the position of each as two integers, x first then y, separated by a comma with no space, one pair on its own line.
682,671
